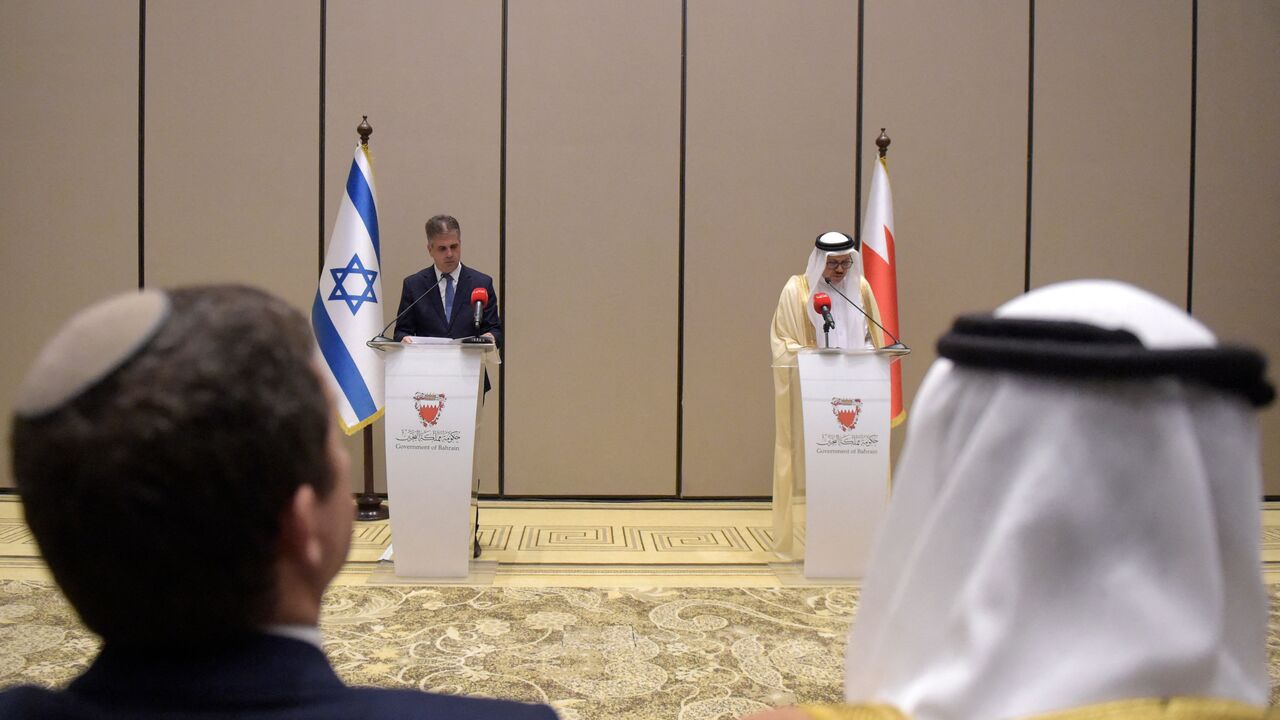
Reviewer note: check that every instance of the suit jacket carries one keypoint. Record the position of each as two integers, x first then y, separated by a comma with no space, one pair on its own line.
260,677
427,317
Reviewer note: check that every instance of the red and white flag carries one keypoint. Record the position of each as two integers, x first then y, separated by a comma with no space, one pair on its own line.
881,269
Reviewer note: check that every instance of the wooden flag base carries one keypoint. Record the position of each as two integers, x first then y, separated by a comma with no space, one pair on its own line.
368,505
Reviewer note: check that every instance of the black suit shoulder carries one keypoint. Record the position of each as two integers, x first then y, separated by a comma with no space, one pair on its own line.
21,703
258,678
478,278
412,703
425,277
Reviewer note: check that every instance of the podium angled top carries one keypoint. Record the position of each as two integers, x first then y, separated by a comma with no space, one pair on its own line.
450,345
891,353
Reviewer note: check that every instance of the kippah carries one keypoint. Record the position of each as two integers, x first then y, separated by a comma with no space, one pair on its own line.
835,241
90,346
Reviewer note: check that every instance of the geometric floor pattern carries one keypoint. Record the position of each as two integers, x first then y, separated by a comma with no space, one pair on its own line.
621,544
1271,542
588,544
539,543
702,533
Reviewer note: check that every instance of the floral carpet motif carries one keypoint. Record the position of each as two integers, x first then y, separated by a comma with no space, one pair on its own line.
690,653
693,654
1273,645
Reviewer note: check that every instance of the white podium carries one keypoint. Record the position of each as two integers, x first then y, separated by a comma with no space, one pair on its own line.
845,396
433,394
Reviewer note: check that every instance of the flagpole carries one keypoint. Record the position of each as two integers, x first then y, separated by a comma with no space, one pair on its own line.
880,264
368,505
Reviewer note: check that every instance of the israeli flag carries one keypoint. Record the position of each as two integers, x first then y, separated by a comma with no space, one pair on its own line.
347,311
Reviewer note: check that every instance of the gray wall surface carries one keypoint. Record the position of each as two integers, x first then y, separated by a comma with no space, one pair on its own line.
641,178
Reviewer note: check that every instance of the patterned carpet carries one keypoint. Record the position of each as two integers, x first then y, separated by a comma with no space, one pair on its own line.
691,653
694,654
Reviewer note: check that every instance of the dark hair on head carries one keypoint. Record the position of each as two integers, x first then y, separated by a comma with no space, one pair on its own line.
442,225
156,495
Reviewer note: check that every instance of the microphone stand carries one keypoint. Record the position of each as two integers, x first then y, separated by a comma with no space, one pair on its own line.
382,336
477,339
897,344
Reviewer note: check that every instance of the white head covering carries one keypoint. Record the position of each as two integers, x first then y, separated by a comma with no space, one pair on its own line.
851,327
1055,542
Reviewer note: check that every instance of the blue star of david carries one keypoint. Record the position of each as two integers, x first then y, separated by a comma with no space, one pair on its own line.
355,267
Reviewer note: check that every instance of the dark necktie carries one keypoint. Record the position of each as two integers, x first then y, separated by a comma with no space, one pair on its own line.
448,298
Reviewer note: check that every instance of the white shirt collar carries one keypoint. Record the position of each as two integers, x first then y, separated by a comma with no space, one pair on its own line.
309,634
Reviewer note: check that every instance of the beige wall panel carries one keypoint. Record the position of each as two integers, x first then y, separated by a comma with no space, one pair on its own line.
949,82
769,165
69,183
1112,143
431,85
1236,286
592,247
231,133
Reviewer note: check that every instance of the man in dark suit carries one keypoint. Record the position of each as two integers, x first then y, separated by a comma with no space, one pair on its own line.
187,490
447,311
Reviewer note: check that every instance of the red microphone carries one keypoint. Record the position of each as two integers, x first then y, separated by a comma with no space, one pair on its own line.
822,306
479,298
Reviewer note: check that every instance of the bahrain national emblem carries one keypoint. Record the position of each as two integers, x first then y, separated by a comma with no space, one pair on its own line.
846,411
429,407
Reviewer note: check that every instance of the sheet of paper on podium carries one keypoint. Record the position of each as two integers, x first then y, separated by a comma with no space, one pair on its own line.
423,340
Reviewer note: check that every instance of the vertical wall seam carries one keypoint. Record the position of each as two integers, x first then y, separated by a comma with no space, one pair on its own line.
857,133
1191,189
684,77
1031,104
142,142
502,259
324,40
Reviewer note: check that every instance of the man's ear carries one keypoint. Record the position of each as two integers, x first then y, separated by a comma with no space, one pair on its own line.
300,529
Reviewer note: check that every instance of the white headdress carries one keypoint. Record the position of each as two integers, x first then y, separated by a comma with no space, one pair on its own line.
1075,517
851,327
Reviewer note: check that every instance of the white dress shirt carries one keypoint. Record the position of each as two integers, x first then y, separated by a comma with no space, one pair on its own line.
444,284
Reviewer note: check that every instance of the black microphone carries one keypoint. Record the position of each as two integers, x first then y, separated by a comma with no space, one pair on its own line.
382,336
897,344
